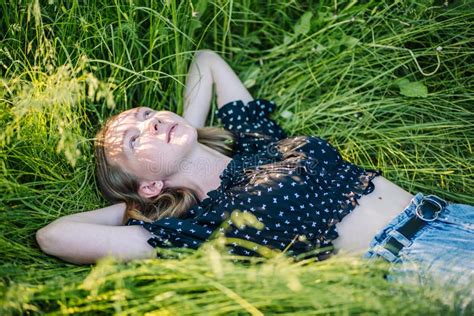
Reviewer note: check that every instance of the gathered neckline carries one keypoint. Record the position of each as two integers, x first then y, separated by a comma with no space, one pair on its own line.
233,173
229,176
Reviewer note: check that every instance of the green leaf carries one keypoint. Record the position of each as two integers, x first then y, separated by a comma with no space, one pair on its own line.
412,89
250,76
194,24
198,11
287,39
349,41
254,39
286,114
202,6
304,23
320,48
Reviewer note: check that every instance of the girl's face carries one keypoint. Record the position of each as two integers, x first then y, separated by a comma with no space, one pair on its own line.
149,144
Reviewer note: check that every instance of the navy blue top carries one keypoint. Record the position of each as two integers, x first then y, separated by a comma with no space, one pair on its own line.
297,187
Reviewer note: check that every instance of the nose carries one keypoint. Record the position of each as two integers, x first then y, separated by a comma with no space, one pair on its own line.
159,127
155,126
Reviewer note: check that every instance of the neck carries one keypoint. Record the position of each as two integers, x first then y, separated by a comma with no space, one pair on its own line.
201,170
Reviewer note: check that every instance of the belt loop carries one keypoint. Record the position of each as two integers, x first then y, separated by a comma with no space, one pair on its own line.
427,209
400,238
384,253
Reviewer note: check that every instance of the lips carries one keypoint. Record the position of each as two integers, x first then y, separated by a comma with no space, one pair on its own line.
172,128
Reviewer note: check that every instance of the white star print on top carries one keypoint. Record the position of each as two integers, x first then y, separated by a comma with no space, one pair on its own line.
297,187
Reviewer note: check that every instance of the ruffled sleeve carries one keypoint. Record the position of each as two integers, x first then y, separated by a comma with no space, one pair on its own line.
251,125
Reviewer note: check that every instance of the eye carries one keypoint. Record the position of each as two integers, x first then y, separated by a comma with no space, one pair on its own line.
146,114
133,141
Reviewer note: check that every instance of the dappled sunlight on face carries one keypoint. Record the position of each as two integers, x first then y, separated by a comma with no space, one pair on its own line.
148,143
114,135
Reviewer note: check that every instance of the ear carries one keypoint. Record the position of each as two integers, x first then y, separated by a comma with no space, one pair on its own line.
150,189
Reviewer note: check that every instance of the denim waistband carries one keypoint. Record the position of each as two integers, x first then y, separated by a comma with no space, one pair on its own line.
376,247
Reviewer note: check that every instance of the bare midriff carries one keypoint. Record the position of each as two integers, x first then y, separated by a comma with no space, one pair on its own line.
374,212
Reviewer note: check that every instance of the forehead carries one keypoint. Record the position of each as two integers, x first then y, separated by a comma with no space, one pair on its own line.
121,119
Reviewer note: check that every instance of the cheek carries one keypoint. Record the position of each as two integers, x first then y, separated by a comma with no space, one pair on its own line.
187,135
145,160
150,164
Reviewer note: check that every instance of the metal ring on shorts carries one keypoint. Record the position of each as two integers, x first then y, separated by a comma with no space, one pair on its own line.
424,205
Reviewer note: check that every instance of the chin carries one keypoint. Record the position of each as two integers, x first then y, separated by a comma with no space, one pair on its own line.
192,136
189,138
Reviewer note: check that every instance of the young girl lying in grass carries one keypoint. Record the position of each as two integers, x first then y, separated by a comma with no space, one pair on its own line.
176,183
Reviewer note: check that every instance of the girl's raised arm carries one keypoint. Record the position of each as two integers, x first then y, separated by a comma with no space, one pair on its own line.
209,68
83,238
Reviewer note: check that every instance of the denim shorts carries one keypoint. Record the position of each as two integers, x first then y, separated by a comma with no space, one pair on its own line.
441,252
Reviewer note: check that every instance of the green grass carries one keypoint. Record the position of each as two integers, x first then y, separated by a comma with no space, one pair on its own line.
67,66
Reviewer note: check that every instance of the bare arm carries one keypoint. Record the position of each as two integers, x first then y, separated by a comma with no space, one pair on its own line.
83,238
209,68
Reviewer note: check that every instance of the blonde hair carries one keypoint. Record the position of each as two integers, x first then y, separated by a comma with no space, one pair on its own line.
118,185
